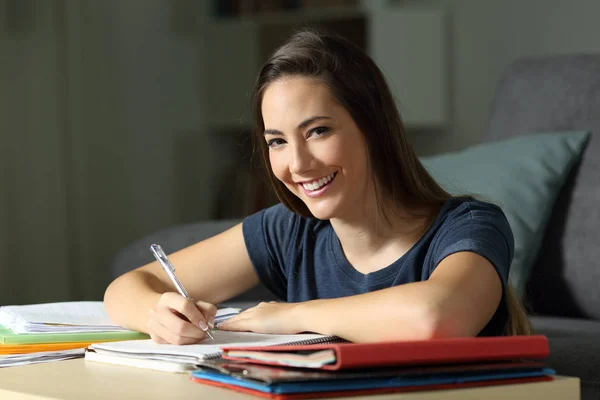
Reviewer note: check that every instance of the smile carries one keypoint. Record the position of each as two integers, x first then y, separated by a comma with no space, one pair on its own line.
318,184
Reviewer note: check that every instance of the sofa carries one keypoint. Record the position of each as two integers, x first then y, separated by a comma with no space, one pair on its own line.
555,93
552,93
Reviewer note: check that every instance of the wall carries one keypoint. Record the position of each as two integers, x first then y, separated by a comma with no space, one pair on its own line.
487,35
94,98
136,77
33,185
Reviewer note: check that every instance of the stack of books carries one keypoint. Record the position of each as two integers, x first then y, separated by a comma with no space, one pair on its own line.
510,365
300,366
55,331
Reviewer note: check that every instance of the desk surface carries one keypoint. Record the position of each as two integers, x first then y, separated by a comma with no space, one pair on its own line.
80,379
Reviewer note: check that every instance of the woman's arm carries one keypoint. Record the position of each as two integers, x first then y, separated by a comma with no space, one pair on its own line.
213,271
458,299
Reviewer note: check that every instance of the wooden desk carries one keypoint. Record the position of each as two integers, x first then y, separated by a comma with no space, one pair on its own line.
79,379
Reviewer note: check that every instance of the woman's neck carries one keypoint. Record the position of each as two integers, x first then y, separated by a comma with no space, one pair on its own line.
370,242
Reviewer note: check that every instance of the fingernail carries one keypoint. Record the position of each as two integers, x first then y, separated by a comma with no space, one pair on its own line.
211,324
203,325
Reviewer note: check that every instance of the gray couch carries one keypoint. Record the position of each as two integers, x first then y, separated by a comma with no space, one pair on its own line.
535,94
561,93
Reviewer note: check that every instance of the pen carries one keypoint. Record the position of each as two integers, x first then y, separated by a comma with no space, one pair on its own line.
164,261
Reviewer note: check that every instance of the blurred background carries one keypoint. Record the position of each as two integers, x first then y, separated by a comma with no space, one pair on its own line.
123,117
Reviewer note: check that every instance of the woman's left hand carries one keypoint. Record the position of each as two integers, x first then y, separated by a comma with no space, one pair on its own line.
272,317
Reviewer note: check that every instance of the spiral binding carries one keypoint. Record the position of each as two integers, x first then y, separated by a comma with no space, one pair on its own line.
319,340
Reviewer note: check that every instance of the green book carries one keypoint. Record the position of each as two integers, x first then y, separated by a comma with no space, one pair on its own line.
9,337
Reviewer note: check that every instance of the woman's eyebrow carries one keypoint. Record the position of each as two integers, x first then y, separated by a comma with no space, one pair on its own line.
303,124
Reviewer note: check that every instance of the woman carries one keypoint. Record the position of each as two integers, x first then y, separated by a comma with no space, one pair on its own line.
365,245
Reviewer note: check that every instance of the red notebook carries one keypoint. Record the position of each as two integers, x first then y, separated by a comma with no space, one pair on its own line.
385,354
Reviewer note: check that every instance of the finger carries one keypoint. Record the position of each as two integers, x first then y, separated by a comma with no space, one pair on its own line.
149,325
179,324
236,324
188,309
246,314
167,334
157,339
208,310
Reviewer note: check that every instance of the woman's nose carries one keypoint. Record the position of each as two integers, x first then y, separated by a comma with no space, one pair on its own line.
301,160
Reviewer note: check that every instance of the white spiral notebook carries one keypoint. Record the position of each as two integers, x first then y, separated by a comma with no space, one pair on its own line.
181,358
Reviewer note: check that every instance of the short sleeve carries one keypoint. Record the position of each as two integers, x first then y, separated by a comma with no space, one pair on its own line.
481,228
267,235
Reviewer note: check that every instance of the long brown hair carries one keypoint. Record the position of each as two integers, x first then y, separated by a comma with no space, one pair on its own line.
356,83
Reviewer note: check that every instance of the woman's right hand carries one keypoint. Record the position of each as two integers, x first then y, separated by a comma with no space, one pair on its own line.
167,320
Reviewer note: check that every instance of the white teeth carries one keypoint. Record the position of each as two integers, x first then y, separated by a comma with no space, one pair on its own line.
314,185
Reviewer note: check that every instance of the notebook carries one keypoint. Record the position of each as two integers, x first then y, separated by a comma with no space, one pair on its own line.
334,356
540,387
269,375
175,358
333,385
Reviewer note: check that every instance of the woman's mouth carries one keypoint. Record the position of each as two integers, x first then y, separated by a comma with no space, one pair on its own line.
318,186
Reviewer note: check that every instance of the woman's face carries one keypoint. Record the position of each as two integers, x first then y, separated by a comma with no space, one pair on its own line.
315,148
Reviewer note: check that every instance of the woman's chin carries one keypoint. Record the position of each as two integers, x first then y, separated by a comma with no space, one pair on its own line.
323,212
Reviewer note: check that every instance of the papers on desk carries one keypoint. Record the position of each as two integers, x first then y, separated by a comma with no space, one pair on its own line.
39,357
69,317
47,332
65,317
59,331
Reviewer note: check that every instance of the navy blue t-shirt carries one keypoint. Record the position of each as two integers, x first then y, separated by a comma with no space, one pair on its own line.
301,259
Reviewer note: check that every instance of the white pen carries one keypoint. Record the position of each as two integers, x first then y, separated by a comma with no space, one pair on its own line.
164,261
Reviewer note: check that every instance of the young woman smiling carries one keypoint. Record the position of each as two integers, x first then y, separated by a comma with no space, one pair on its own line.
364,245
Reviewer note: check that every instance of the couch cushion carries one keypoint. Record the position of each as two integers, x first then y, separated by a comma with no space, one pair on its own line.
175,238
558,93
565,327
522,175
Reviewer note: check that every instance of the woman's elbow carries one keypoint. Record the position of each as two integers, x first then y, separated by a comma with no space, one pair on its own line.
111,299
423,324
436,323
448,324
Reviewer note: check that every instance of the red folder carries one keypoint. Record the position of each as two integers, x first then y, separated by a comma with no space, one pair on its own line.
423,352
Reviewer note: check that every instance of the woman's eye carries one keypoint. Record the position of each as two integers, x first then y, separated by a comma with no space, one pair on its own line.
318,131
275,142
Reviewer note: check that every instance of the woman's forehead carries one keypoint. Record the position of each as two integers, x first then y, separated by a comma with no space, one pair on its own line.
292,99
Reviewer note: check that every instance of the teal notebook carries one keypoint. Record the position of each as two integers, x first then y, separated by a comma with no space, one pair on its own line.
9,337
